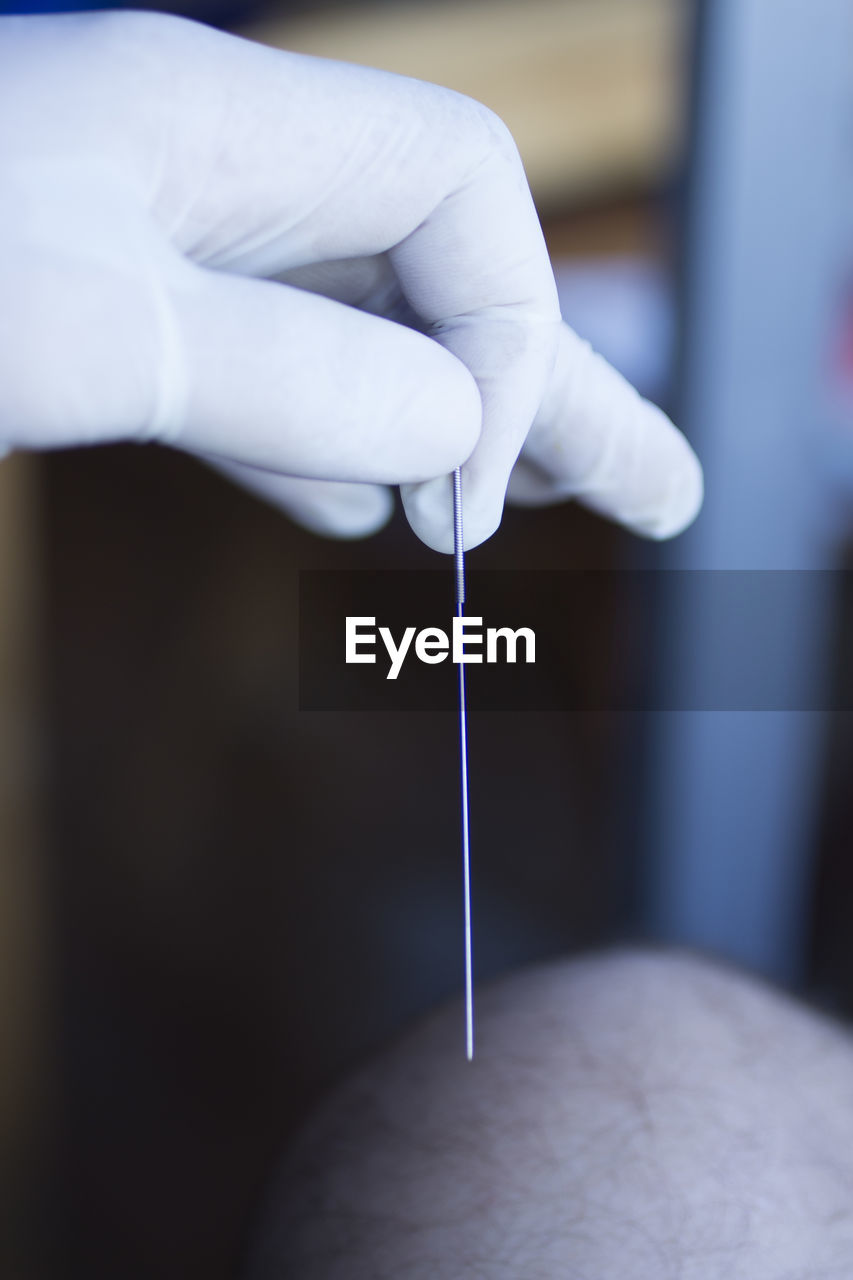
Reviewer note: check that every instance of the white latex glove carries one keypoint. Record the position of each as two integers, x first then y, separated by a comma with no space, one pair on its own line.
154,171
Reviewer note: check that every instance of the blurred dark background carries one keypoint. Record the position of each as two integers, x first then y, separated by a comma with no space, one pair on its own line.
213,904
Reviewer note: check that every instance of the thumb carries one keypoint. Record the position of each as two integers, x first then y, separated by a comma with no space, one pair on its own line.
288,381
106,333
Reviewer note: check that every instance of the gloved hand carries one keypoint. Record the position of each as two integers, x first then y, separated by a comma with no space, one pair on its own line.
307,271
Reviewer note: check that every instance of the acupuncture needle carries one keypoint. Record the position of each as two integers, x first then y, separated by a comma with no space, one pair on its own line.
459,562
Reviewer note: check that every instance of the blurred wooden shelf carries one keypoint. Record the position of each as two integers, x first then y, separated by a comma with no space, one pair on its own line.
592,89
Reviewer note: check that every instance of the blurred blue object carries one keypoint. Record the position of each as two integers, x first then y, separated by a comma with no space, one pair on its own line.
769,249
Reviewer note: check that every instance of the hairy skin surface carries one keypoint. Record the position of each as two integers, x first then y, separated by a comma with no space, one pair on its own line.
630,1116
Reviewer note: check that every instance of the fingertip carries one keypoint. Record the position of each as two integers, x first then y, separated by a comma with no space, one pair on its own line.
681,502
429,511
660,499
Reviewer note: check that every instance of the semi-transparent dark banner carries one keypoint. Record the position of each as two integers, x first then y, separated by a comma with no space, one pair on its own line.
574,641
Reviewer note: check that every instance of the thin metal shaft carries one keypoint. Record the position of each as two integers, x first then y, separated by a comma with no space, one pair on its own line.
459,559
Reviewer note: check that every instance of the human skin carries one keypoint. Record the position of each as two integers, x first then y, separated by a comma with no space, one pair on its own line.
629,1116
